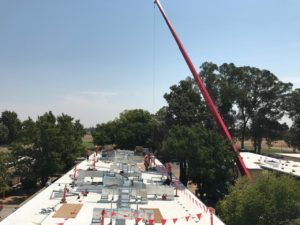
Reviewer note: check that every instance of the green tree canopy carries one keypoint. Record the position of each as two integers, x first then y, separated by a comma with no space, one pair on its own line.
132,128
185,106
11,121
293,104
218,82
248,99
3,133
160,129
271,200
204,156
293,109
46,147
186,116
5,176
260,100
105,133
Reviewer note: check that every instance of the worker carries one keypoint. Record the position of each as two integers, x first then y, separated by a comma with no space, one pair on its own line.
152,161
48,182
87,153
96,147
169,169
166,182
147,161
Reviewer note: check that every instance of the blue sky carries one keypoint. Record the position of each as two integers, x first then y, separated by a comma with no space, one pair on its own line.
93,59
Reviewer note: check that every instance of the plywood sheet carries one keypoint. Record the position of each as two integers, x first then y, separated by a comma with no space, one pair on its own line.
68,211
157,214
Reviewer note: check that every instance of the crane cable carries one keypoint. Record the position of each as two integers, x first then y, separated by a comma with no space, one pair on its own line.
154,60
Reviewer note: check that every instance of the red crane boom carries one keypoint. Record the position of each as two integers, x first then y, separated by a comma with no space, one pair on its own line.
211,106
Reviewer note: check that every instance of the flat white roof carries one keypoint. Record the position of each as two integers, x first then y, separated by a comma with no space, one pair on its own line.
251,160
292,155
256,161
186,208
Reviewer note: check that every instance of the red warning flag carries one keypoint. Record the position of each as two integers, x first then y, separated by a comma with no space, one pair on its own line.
174,220
163,221
187,218
199,216
137,220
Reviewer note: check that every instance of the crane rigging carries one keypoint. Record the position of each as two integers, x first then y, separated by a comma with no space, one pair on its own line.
210,104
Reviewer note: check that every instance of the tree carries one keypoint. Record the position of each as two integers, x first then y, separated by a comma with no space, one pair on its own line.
275,131
29,132
132,128
187,110
260,101
70,142
204,156
220,88
105,133
228,95
160,130
24,163
293,104
185,105
270,200
5,177
178,146
242,84
11,121
292,136
293,109
46,147
3,134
